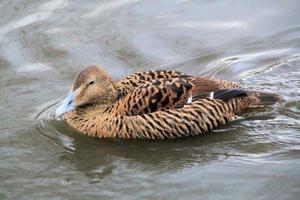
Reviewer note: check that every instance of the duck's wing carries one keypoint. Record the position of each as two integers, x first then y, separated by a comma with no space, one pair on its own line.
164,94
203,84
156,95
193,119
129,83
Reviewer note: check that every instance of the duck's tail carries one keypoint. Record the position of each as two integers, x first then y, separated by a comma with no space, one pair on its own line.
263,99
258,99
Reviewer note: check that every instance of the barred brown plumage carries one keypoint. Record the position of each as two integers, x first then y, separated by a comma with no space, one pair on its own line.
154,104
204,84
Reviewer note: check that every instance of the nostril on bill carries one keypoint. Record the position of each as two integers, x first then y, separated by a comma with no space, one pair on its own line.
70,102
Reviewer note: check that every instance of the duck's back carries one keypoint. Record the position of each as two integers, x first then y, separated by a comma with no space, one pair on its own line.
167,93
203,84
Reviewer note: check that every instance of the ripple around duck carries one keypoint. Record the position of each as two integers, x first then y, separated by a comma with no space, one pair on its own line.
45,128
162,154
252,141
288,109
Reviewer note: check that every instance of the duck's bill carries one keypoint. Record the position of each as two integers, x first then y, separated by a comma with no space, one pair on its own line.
66,105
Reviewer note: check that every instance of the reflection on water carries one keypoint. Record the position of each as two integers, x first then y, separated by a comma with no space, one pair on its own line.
44,43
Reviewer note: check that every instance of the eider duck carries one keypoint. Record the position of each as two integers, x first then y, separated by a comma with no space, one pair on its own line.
154,104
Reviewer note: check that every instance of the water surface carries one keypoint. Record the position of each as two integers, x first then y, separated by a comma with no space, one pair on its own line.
43,44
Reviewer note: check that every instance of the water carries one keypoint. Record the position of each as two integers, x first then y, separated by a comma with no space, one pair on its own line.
44,43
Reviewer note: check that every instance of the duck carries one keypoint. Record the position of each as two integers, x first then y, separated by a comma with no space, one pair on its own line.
154,105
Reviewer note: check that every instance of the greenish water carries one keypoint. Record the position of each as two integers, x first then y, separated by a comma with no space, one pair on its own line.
43,44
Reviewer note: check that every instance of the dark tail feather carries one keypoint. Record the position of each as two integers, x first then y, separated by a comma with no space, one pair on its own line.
264,99
223,94
260,99
227,94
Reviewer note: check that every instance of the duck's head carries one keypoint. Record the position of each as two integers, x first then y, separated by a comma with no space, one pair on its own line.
92,86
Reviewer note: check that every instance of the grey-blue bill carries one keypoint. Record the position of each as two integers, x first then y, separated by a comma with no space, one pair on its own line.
66,105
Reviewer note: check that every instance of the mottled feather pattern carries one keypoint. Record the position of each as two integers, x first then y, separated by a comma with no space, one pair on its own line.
197,118
158,104
155,95
129,83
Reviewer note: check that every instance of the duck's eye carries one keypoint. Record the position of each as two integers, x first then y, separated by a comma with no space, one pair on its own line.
91,82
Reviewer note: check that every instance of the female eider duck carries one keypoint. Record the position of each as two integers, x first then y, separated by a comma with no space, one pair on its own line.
154,104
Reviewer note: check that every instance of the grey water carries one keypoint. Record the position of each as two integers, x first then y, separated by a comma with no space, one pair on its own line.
43,44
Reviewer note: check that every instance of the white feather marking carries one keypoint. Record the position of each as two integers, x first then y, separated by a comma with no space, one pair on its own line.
190,99
211,95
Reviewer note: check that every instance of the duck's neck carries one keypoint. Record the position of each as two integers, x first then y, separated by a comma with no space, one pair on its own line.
91,120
